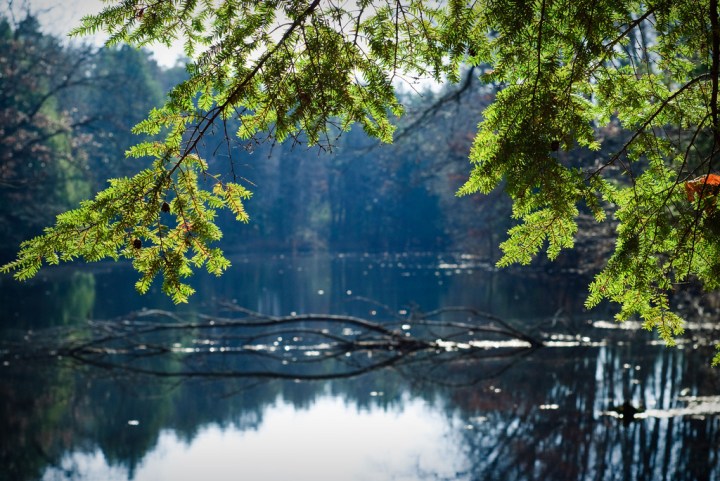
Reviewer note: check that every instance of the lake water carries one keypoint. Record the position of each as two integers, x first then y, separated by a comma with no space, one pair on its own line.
151,391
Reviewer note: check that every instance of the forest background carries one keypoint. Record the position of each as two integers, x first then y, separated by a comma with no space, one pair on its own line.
66,112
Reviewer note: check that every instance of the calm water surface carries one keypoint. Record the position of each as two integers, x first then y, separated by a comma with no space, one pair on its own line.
455,414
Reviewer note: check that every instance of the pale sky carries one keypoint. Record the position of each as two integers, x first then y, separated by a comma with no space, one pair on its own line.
58,17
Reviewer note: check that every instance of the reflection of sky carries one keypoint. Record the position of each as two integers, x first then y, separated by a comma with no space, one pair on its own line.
58,17
330,440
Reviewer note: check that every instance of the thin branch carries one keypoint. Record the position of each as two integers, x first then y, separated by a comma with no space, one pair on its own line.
539,53
715,71
647,122
610,46
200,131
453,96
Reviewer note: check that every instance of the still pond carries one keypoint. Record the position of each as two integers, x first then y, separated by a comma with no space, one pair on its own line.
409,368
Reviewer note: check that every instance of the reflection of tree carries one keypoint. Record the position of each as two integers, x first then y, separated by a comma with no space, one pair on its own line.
524,414
239,360
57,301
552,424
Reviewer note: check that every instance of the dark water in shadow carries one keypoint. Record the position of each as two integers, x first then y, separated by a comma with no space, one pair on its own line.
455,414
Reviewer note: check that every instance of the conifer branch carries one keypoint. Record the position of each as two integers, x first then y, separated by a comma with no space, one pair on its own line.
237,90
646,123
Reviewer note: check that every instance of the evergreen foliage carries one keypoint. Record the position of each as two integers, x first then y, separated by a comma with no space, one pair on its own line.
304,69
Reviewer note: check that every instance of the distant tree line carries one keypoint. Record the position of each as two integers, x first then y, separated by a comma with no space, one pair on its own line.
65,118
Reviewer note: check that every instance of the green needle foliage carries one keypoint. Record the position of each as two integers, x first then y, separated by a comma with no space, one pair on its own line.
566,69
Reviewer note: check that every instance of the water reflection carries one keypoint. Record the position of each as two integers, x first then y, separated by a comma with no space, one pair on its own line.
544,414
327,440
544,418
59,299
280,285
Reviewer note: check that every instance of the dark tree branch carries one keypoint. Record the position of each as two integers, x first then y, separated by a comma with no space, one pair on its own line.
429,112
715,71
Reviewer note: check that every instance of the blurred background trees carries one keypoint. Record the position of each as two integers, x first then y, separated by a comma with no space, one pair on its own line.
66,114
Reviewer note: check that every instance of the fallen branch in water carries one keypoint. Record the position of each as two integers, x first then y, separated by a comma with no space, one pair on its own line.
255,345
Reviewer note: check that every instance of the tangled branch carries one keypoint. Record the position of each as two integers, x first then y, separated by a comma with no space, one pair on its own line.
248,344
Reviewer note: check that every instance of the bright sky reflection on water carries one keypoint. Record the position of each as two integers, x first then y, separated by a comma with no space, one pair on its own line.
330,440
